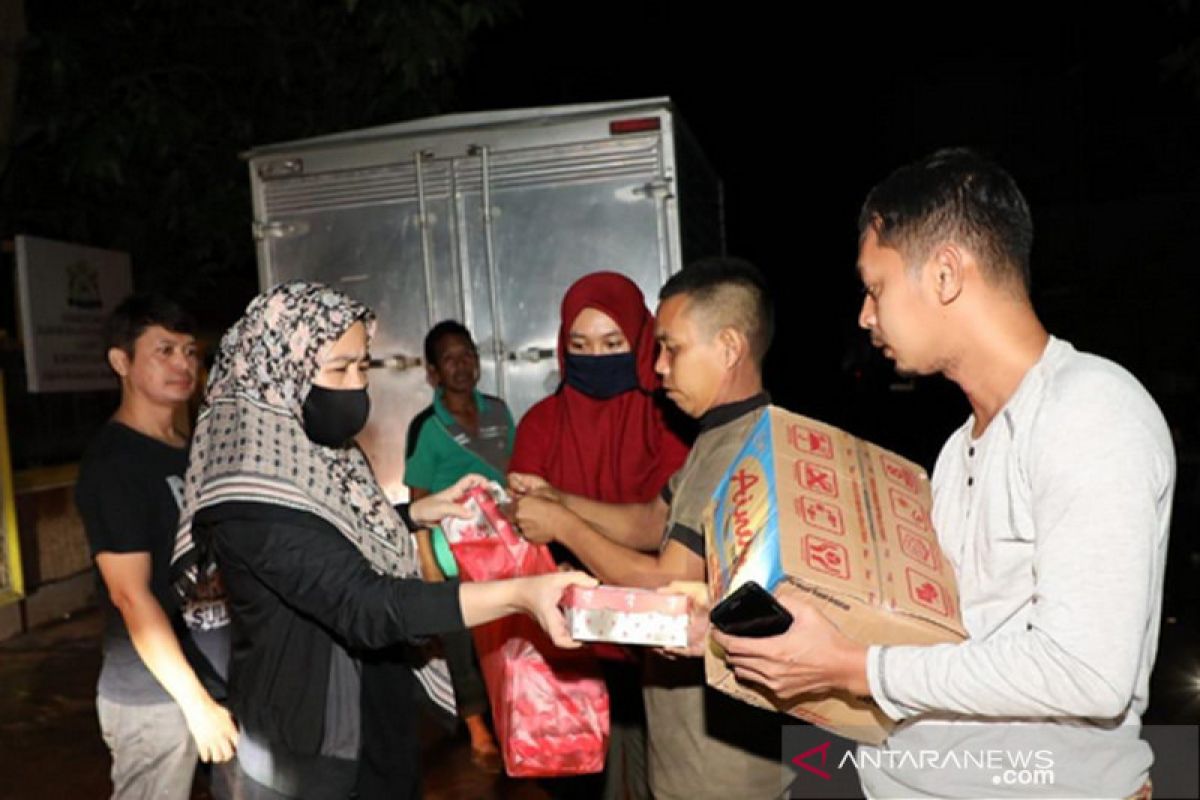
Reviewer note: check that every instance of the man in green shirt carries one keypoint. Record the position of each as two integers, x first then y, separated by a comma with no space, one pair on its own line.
463,431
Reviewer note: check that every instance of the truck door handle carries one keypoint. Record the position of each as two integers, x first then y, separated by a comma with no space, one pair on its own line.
660,190
532,354
398,361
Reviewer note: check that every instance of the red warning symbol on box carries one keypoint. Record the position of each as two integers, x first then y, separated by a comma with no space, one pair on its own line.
816,478
927,592
918,548
821,515
899,474
826,556
806,440
908,509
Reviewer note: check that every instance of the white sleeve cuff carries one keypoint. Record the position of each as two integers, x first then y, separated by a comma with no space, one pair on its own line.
877,680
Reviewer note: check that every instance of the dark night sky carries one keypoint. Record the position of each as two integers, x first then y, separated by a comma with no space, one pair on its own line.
801,114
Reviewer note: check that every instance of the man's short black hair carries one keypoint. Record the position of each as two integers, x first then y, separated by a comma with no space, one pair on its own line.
137,312
447,327
954,194
729,292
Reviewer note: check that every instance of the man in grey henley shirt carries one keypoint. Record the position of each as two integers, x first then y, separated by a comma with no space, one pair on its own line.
1052,503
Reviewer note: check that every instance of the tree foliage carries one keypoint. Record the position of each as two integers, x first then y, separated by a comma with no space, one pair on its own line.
130,116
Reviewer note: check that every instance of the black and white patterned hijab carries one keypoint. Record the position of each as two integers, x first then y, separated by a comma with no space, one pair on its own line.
249,444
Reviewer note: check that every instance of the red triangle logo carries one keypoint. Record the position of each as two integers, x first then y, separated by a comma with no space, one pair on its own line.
801,760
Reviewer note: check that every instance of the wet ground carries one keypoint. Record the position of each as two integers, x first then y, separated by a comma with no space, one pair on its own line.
50,744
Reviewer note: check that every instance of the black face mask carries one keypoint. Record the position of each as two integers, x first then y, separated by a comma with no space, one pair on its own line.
602,376
332,417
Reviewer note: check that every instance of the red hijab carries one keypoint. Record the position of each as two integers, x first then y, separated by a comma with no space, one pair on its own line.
617,450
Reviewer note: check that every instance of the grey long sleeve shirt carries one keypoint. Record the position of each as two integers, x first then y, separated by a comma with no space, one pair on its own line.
1056,521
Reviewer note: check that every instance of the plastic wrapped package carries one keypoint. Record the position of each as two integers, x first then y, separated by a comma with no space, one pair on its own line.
626,616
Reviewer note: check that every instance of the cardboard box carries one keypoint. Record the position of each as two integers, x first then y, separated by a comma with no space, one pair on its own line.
626,616
848,523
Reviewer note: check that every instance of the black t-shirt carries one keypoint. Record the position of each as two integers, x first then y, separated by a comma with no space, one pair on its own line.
129,492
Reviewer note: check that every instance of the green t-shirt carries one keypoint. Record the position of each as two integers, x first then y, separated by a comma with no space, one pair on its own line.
439,451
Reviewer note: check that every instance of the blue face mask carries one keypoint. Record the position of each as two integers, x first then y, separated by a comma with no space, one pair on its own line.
602,377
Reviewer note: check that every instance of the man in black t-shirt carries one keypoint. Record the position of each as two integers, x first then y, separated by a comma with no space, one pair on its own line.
155,714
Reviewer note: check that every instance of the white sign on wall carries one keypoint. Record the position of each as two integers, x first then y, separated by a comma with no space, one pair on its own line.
66,292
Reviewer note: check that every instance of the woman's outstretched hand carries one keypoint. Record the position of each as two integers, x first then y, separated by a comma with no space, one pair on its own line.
535,595
433,509
539,596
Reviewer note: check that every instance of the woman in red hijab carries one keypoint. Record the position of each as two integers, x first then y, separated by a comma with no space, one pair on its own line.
602,435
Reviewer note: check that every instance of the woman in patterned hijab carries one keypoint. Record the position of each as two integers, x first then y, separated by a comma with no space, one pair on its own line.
320,570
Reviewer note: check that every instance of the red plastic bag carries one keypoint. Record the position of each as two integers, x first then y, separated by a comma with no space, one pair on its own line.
487,547
550,706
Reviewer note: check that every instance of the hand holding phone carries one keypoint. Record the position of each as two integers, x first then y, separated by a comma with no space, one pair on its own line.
750,611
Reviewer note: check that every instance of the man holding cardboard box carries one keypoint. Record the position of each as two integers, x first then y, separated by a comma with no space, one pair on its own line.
714,325
1052,503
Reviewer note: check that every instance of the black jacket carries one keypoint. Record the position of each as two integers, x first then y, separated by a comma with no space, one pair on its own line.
295,584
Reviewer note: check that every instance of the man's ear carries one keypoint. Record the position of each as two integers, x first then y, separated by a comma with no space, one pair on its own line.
431,376
949,264
118,359
734,346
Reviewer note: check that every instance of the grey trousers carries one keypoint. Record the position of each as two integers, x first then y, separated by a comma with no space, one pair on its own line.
154,757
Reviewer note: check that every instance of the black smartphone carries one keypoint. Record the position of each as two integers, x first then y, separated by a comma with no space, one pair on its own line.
750,611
